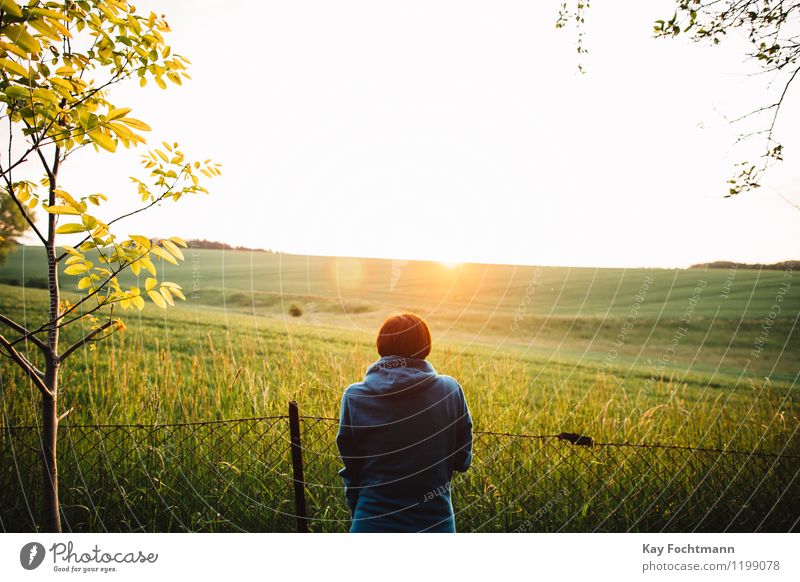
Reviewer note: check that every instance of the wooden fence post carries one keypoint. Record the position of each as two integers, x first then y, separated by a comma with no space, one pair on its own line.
297,469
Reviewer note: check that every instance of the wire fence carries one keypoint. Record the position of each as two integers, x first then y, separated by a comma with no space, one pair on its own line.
242,475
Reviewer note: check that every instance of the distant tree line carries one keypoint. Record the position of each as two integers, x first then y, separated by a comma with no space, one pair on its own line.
212,244
782,266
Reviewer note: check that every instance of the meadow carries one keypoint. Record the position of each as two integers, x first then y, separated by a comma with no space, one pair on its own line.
707,358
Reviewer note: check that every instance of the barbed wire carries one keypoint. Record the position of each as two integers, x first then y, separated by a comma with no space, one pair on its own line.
477,432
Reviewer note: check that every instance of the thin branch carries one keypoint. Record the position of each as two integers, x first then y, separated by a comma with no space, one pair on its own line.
21,329
83,314
25,215
10,189
779,103
26,366
751,113
39,153
85,339
27,362
23,158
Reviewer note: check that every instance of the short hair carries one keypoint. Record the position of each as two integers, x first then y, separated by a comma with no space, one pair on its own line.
406,335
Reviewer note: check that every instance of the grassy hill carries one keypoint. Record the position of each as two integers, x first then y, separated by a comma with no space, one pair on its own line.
619,316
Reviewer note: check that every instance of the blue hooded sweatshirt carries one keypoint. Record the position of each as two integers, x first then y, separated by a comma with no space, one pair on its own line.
402,433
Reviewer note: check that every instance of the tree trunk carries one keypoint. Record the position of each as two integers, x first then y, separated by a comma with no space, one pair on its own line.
51,517
51,510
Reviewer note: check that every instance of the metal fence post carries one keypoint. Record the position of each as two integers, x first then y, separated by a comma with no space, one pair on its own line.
297,469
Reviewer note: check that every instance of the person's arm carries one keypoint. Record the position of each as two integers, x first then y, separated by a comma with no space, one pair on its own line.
347,450
463,451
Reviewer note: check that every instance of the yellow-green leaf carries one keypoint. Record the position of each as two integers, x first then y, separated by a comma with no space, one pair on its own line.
65,196
103,140
123,132
17,92
179,241
143,241
13,67
45,29
11,8
45,96
157,298
171,247
167,297
61,210
46,12
117,113
61,84
70,228
150,283
18,35
164,255
148,264
135,124
76,269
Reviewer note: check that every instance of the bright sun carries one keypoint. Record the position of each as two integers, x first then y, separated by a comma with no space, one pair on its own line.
449,264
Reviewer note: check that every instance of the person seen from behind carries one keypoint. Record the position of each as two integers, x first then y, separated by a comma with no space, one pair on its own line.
403,431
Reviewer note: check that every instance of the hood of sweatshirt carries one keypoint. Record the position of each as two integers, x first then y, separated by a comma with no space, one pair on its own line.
395,374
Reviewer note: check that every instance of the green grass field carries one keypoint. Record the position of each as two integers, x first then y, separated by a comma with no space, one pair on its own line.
684,357
536,348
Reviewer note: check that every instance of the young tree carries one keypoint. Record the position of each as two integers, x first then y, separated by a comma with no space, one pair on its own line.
58,61
773,31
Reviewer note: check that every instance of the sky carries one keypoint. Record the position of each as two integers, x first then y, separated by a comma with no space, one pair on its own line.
457,131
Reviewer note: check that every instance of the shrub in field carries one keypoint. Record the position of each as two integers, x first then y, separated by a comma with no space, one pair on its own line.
37,283
58,62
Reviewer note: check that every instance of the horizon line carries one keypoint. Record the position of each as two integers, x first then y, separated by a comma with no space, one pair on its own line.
455,264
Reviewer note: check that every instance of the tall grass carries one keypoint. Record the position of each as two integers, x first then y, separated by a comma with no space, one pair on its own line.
188,365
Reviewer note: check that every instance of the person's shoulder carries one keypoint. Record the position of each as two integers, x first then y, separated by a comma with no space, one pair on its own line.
450,383
354,389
